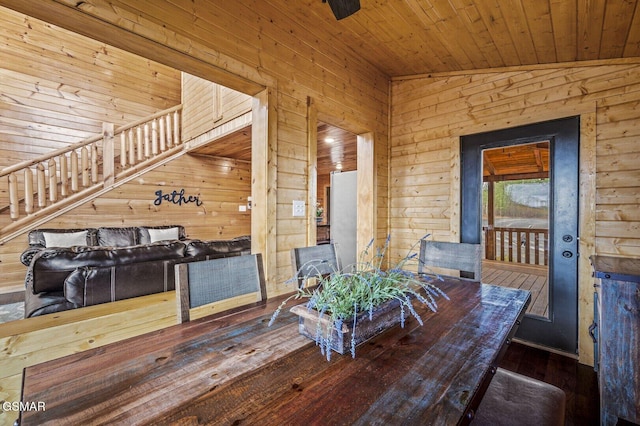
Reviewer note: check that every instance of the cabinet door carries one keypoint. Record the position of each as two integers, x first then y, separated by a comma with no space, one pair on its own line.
619,351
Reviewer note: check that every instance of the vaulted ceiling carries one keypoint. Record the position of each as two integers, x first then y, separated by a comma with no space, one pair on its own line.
406,37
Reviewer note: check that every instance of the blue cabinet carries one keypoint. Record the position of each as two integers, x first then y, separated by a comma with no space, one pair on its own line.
618,319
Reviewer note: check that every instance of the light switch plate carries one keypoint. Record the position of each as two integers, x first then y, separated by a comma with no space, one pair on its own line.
298,208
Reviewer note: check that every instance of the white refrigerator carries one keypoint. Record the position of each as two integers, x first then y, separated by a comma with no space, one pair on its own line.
343,216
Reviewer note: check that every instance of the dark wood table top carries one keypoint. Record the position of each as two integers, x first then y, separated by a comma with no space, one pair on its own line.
236,370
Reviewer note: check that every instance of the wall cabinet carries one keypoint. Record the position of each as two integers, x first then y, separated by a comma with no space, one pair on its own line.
618,340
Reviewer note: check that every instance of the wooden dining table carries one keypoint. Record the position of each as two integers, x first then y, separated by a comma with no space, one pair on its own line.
235,369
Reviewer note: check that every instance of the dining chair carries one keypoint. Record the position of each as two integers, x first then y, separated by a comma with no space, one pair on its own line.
315,261
462,257
510,398
516,399
215,285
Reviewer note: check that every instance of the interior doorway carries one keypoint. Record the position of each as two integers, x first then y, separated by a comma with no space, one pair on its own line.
336,207
557,326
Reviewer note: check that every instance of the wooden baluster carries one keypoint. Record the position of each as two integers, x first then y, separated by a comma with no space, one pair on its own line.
108,155
28,191
140,143
163,138
502,242
147,141
176,128
154,138
42,186
14,200
84,164
123,150
519,246
73,157
64,176
510,246
527,252
53,181
94,163
169,130
132,149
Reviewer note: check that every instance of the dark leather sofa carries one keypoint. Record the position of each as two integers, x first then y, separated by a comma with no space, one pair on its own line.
112,264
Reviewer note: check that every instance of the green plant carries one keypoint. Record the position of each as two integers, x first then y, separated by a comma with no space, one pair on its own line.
344,294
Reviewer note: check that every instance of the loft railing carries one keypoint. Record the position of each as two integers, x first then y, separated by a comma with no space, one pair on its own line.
64,175
518,245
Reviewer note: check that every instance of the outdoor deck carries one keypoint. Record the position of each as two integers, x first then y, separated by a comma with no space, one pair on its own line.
529,277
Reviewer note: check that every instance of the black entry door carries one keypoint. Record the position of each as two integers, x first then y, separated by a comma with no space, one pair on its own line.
559,329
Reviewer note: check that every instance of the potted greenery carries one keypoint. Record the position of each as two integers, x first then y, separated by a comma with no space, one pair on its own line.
319,212
352,305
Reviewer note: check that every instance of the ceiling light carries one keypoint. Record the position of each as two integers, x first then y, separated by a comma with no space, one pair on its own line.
339,166
329,140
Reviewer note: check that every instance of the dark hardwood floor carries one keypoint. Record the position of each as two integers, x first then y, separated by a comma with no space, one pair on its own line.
578,381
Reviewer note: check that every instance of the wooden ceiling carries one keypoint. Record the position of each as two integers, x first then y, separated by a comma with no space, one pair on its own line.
236,145
530,161
340,154
406,37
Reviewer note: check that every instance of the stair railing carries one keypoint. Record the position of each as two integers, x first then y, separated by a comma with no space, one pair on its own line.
94,163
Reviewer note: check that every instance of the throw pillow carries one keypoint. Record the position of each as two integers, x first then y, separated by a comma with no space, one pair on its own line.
65,239
163,234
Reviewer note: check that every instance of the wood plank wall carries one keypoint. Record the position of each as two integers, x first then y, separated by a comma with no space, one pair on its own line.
58,87
206,103
429,114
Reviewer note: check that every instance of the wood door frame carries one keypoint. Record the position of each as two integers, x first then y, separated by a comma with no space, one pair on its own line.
366,166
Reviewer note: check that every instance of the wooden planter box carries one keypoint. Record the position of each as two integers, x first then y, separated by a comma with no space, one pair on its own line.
384,316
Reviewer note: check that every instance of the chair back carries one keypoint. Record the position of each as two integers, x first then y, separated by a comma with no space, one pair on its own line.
316,261
463,257
212,286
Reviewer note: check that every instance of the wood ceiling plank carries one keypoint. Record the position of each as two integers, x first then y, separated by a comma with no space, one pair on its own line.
495,22
538,16
472,19
564,21
632,47
590,23
518,28
615,28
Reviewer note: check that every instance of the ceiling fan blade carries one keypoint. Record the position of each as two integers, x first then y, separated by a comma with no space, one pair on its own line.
343,8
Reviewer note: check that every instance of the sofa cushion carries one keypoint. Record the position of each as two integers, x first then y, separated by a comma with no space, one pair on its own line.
65,239
94,285
152,234
46,303
198,248
117,237
36,237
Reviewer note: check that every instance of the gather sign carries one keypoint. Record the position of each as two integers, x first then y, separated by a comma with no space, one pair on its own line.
176,197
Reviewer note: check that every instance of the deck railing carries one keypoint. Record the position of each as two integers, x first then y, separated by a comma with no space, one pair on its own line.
96,162
518,245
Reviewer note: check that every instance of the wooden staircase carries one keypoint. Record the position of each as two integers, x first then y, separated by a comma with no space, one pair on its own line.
41,189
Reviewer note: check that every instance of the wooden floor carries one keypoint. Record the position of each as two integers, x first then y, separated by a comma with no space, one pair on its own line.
529,277
578,381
